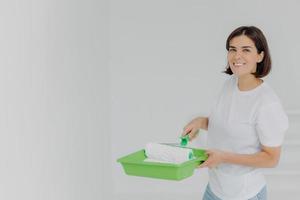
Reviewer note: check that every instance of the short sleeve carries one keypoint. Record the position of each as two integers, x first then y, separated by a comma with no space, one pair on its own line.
271,124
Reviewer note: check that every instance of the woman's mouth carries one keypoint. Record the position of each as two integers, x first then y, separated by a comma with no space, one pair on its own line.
238,64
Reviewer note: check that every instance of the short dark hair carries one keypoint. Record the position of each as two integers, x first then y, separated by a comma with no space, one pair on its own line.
257,36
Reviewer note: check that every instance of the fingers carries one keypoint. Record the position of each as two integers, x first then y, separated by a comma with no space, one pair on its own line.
204,164
186,131
213,159
191,129
208,162
193,134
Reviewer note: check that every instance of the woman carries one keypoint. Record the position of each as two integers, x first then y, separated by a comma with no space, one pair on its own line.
247,123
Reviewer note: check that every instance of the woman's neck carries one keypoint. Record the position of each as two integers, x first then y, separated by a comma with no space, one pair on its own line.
250,82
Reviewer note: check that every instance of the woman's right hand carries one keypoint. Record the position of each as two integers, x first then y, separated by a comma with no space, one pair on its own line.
193,127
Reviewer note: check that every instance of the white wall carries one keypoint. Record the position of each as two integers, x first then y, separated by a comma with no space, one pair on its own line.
54,100
166,59
100,154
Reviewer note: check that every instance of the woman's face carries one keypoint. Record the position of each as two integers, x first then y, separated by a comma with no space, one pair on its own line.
242,56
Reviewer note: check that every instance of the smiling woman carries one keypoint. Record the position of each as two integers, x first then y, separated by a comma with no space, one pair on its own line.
247,124
250,44
243,56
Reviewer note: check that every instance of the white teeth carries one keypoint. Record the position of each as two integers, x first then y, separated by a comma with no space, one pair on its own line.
238,64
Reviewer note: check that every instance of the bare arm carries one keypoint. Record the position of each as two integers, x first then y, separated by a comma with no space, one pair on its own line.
267,157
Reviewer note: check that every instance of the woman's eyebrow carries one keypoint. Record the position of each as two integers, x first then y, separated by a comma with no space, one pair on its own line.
244,47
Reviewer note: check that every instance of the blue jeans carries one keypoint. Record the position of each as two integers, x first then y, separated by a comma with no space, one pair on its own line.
209,195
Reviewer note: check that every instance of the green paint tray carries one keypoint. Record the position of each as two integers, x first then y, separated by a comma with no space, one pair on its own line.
134,165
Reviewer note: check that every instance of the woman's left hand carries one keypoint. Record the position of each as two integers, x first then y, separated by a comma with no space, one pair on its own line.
215,157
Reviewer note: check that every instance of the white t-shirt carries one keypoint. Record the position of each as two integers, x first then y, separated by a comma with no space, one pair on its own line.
240,122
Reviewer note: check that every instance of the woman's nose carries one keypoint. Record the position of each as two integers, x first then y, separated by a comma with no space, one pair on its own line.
237,55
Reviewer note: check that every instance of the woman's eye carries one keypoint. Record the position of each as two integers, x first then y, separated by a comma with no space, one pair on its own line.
246,50
232,50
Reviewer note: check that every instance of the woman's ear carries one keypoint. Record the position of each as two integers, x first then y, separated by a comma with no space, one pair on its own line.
261,56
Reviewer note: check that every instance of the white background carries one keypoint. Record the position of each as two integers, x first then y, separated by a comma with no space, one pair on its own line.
86,82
